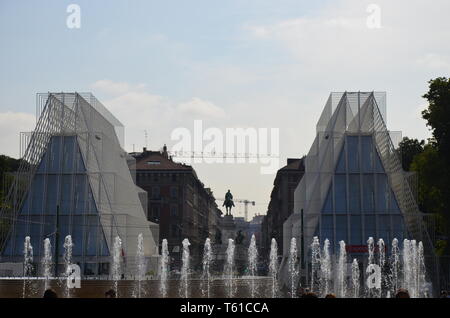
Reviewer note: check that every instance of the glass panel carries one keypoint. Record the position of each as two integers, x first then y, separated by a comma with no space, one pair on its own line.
370,227
398,228
52,192
382,193
37,195
354,194
77,234
341,162
328,205
55,162
327,228
378,165
66,194
341,228
384,223
366,154
356,230
68,152
340,193
353,153
394,205
368,193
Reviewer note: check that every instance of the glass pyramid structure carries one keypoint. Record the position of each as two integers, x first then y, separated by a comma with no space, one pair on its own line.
354,186
74,179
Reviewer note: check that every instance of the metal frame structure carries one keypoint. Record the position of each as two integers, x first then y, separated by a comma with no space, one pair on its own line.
74,176
358,118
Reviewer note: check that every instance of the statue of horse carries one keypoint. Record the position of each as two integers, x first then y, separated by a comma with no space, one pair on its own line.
228,202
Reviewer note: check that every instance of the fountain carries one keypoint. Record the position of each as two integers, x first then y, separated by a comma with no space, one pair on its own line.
421,273
164,268
68,246
381,261
229,268
355,278
414,269
47,262
252,264
385,272
206,276
315,265
325,268
273,267
116,268
342,271
408,266
293,273
395,264
27,263
184,290
140,264
370,261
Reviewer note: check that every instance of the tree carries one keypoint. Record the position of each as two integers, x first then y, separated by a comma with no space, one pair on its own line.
428,166
7,164
409,148
432,165
437,114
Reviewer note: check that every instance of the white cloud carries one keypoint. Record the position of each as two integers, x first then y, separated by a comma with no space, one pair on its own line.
11,125
337,37
201,109
142,112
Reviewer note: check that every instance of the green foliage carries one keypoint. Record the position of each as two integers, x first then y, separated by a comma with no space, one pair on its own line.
7,164
409,148
433,163
428,166
437,114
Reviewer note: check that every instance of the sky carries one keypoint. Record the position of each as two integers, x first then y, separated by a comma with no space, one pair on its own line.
160,65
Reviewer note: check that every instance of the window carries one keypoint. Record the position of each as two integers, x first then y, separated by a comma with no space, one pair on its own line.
155,192
156,213
174,210
174,192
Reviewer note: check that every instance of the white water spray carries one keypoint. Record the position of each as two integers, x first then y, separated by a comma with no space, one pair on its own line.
206,276
164,268
184,290
273,267
229,268
293,273
47,262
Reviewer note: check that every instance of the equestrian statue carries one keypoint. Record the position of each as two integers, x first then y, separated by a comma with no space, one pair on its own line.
228,202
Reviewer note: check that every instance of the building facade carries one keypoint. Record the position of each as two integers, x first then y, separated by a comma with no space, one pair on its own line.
178,201
281,204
